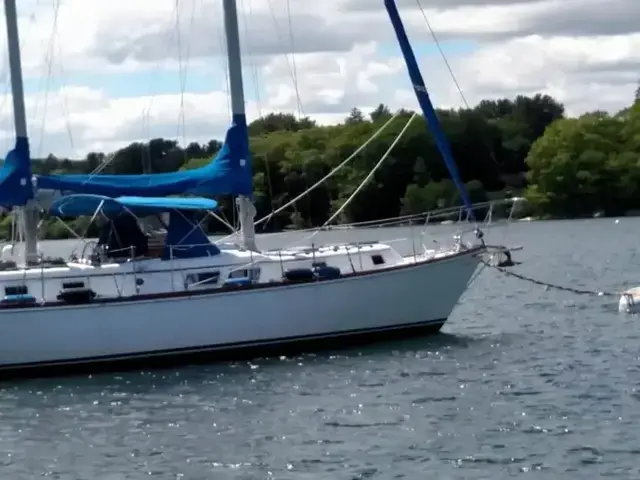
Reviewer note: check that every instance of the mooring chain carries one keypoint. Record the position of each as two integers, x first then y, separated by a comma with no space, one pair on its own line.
552,286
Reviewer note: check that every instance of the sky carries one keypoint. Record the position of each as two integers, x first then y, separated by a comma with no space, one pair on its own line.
100,74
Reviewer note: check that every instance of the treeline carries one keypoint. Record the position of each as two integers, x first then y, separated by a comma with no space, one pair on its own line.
502,148
587,166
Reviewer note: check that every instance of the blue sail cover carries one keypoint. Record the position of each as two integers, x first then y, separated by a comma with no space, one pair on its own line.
229,173
16,188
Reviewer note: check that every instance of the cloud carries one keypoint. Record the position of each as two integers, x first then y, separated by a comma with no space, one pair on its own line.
100,74
332,84
493,19
265,38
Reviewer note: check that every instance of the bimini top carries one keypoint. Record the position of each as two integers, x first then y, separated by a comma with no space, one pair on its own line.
85,204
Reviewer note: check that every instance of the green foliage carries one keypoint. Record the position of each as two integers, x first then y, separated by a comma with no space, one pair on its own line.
580,166
575,165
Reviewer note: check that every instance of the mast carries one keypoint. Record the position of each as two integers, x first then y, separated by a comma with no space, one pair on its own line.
246,208
28,213
425,103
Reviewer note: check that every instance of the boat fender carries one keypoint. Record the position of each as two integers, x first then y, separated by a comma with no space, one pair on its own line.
20,299
327,272
76,296
298,275
238,282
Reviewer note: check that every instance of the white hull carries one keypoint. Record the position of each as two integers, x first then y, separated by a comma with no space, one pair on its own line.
423,293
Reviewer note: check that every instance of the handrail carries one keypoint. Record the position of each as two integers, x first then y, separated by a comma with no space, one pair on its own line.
401,219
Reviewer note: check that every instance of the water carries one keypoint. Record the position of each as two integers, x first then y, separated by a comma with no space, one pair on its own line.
524,382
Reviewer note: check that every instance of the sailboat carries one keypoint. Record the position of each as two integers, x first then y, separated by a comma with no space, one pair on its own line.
126,303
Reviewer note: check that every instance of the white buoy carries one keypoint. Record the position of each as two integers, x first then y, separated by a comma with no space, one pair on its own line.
498,258
630,301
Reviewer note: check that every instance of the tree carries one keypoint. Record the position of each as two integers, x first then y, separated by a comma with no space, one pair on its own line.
381,112
355,116
432,196
276,122
49,165
93,161
583,165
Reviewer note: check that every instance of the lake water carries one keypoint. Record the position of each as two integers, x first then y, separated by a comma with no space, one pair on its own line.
523,382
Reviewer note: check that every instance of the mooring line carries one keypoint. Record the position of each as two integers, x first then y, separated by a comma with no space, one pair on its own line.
554,286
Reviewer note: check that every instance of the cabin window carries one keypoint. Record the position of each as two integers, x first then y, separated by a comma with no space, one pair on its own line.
377,259
16,290
243,273
252,274
68,285
202,279
318,264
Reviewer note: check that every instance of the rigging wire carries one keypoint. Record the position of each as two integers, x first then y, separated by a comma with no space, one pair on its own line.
225,62
328,175
335,170
453,77
292,70
181,74
65,104
442,54
55,44
106,161
366,180
145,114
49,70
247,16
222,220
292,43
184,69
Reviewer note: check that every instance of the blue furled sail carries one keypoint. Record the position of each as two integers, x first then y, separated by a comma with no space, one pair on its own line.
16,188
229,173
425,103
